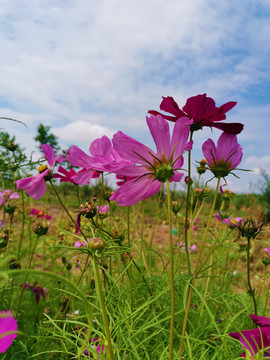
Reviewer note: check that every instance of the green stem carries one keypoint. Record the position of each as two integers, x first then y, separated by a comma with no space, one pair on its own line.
251,291
171,272
22,229
155,221
266,297
103,310
130,258
28,267
187,207
196,270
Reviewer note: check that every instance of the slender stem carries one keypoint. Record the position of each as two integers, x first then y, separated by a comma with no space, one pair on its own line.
28,267
266,297
22,229
251,291
130,258
196,270
155,221
103,310
187,207
171,271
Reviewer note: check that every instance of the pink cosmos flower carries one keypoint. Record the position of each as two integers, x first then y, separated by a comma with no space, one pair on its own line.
267,250
35,186
224,157
37,290
7,324
191,248
232,222
5,195
256,339
202,110
40,214
151,169
65,175
103,157
102,210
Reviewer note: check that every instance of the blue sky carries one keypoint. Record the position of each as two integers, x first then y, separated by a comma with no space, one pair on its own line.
89,68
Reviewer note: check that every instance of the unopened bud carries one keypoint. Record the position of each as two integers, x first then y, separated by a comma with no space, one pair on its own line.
13,264
11,146
9,209
41,228
201,169
96,244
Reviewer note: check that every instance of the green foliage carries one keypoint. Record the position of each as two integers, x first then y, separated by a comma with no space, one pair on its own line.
11,159
44,137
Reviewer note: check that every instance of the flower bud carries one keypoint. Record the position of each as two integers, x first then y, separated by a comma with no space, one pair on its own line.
88,209
10,209
41,228
175,207
250,228
188,180
13,264
96,244
11,146
201,169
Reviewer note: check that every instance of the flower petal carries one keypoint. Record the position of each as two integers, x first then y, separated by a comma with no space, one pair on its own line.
131,149
49,154
101,146
77,157
135,190
160,132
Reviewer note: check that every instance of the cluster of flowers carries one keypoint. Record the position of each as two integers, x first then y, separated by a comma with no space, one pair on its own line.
140,170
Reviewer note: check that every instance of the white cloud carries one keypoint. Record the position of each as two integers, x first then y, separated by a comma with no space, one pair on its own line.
82,132
257,164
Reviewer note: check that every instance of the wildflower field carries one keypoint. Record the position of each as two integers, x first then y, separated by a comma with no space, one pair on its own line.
141,272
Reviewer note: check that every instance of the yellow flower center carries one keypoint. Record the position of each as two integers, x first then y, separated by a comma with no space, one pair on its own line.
42,168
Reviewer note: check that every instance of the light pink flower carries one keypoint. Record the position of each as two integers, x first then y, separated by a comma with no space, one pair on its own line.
224,157
103,157
202,110
102,210
5,195
7,323
151,169
35,186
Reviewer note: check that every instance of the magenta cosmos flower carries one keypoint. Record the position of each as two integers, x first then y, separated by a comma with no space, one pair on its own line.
256,339
202,110
224,157
151,169
103,157
7,324
35,186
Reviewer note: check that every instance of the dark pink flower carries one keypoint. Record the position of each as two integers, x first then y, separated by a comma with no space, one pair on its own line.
65,175
103,157
123,179
7,324
224,157
202,110
151,169
37,290
35,186
40,214
256,339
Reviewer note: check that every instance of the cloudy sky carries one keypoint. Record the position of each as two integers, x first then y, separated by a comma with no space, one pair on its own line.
90,68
